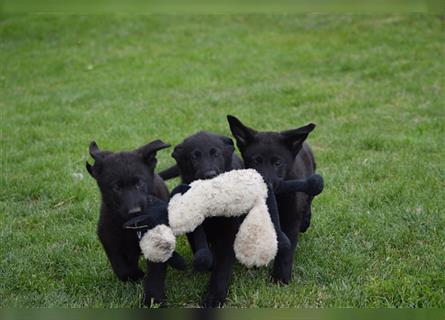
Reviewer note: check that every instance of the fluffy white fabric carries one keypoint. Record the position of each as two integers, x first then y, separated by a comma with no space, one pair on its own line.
230,194
158,244
256,241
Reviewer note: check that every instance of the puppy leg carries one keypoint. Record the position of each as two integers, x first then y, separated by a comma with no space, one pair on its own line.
126,268
282,269
306,222
220,277
154,284
132,258
202,257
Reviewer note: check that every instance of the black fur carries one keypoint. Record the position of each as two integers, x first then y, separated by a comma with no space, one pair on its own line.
279,156
125,180
201,156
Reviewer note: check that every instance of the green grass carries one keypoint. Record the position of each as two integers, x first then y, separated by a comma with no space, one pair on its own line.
374,85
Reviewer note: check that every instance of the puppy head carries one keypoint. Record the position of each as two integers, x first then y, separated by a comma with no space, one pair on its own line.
125,178
203,155
270,153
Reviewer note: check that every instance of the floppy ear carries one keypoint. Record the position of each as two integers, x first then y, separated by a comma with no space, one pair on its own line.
242,134
227,151
148,152
228,144
295,138
177,152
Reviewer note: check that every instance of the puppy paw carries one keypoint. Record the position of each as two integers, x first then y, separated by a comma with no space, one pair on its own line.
214,300
280,278
153,299
202,260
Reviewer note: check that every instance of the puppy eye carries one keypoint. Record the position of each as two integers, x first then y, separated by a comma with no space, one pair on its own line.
195,155
214,153
139,183
257,161
116,187
277,163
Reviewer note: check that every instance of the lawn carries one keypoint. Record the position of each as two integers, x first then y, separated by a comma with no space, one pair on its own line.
373,84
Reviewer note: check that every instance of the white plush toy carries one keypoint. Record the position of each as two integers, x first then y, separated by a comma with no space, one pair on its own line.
231,194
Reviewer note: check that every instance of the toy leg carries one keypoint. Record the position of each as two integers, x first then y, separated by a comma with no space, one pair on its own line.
152,217
182,188
202,256
312,186
283,240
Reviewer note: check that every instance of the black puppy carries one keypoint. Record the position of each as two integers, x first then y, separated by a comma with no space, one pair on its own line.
204,155
279,156
125,180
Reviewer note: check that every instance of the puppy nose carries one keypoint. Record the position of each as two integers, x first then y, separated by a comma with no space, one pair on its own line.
210,174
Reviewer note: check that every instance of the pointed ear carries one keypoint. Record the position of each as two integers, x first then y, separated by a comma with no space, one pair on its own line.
295,138
177,152
90,169
94,150
242,134
148,152
98,157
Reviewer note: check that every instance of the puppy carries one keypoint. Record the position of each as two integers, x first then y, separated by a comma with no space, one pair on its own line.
125,181
205,155
279,156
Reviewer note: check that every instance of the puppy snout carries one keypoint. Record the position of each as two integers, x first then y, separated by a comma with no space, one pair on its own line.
210,174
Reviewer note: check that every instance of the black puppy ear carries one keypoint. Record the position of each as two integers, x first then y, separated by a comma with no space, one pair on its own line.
177,151
89,169
295,138
148,151
98,156
94,150
228,144
242,134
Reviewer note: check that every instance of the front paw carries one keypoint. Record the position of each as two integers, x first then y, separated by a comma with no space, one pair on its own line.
280,278
153,298
202,260
214,300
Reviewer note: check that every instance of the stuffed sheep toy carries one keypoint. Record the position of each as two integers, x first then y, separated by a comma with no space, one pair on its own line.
231,194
